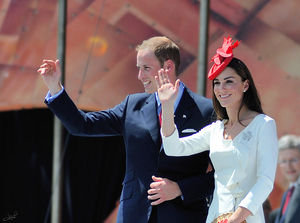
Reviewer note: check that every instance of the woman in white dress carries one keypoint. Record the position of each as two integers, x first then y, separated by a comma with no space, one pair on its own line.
242,142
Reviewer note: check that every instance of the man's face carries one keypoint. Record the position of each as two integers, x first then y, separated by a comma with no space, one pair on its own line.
289,163
148,66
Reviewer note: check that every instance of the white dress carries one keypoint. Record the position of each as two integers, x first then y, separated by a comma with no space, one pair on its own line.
244,167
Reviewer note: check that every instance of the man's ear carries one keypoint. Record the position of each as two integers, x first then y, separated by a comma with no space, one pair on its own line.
169,65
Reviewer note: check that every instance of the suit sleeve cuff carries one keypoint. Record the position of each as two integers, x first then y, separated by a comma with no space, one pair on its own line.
49,98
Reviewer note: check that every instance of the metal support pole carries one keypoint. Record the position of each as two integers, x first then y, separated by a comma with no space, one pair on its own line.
202,46
57,167
57,173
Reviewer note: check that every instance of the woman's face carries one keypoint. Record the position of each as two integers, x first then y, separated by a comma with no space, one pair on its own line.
229,88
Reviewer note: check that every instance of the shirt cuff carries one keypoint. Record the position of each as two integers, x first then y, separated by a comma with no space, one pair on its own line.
49,98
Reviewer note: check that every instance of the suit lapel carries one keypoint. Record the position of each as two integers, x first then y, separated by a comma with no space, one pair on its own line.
150,118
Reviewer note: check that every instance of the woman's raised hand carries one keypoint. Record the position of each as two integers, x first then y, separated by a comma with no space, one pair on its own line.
51,74
167,91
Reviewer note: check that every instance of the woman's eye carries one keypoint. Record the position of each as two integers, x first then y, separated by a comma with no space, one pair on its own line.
216,83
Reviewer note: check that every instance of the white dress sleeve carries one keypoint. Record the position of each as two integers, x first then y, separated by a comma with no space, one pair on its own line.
266,162
189,145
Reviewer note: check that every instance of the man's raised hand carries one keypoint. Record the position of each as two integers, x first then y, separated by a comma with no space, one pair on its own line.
51,74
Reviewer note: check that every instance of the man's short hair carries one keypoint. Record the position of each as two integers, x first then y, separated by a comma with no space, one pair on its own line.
163,48
289,142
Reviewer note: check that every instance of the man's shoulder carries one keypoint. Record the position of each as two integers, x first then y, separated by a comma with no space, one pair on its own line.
139,96
139,99
200,100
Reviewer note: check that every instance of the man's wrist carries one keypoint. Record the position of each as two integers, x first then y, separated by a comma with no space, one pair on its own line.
179,193
55,89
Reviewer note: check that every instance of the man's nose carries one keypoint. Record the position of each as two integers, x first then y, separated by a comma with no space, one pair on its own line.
140,74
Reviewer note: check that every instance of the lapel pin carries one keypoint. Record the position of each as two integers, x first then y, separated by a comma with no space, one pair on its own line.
183,116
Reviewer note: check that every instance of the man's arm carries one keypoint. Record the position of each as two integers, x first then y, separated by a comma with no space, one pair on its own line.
80,123
77,122
190,189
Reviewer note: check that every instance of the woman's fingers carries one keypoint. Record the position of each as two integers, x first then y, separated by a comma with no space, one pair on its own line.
157,81
165,76
177,84
161,78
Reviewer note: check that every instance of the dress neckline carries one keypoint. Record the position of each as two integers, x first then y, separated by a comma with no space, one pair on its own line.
250,123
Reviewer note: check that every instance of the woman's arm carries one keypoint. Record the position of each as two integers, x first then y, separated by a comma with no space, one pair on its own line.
239,215
174,146
266,163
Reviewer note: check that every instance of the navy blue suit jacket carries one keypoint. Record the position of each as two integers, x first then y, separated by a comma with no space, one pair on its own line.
280,218
292,213
136,120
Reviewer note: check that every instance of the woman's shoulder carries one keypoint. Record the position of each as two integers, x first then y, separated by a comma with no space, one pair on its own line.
263,121
264,118
214,125
217,123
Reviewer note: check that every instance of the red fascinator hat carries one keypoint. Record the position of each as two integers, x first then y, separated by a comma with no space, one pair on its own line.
222,58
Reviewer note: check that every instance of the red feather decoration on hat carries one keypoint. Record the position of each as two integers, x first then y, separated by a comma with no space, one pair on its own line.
222,58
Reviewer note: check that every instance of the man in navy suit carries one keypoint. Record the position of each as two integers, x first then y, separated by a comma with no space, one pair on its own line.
156,188
289,164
